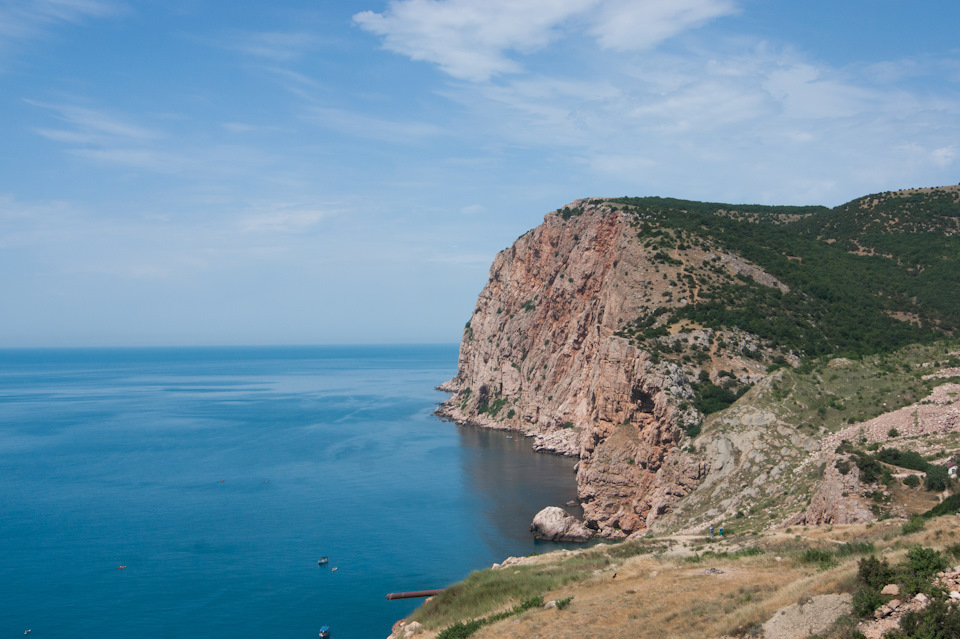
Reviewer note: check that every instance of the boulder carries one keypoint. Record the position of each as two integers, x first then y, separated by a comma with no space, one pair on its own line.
555,524
890,589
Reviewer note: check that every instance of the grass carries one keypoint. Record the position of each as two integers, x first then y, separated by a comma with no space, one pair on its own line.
657,592
487,591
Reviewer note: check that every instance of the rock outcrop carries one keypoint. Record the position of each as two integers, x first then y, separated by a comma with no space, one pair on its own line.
541,355
602,333
808,617
555,524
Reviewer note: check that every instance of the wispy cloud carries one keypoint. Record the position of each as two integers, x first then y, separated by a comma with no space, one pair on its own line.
371,127
474,41
25,19
90,126
284,218
278,46
24,224
631,24
680,123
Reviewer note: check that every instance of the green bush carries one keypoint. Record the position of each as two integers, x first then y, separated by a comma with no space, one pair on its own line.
916,573
874,573
855,548
866,600
925,562
938,620
948,506
911,481
914,525
461,630
937,479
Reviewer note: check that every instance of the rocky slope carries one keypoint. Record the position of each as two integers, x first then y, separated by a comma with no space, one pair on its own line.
598,335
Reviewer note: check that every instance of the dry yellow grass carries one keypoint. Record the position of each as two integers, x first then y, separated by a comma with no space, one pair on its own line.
668,596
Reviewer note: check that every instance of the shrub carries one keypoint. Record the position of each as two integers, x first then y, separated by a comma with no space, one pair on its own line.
937,478
866,600
563,603
911,481
914,525
874,573
855,548
948,506
461,630
925,562
938,620
823,558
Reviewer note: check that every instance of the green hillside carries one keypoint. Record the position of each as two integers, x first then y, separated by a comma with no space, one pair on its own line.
870,276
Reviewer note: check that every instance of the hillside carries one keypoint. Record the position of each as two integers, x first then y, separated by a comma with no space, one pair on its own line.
826,582
699,359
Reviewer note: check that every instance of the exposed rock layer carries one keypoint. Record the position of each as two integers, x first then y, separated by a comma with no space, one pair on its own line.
539,355
547,352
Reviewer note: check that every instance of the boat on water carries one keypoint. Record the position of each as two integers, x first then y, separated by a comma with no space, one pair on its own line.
323,561
324,632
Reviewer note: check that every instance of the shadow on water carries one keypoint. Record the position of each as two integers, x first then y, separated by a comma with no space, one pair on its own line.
514,484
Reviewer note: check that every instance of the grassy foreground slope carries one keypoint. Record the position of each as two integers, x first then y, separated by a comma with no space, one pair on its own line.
690,586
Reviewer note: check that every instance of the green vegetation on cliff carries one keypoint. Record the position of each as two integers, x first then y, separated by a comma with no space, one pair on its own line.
867,277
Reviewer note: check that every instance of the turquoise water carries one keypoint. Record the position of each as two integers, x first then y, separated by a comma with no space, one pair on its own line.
218,477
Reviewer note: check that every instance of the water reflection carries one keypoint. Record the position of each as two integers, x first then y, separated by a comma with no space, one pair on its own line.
512,484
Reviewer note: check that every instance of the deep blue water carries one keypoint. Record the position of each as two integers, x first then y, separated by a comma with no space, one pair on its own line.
218,476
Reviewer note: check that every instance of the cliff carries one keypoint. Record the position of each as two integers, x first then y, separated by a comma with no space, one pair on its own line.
541,355
613,329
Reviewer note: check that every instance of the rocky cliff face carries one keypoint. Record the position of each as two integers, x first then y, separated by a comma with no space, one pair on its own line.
604,332
540,355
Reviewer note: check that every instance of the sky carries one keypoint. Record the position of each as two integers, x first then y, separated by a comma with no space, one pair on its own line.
198,172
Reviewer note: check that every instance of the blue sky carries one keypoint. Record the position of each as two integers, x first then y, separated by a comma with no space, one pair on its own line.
309,172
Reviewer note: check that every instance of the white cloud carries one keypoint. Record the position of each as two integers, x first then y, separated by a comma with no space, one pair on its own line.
642,24
283,218
468,39
735,121
25,19
473,40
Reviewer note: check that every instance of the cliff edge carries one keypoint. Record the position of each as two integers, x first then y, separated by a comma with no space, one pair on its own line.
618,330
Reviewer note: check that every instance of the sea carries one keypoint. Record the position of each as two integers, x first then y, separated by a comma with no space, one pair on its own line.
190,492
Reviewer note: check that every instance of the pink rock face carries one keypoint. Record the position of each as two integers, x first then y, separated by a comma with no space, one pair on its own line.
539,356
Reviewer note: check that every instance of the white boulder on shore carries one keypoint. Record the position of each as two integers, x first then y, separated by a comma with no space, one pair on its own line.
555,524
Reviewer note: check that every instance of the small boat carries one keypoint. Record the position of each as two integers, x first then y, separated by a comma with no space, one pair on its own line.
323,561
324,632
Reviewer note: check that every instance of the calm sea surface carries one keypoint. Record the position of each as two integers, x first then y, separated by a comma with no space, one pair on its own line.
218,477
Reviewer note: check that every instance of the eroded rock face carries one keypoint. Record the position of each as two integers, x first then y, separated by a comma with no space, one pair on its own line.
838,499
539,355
554,524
